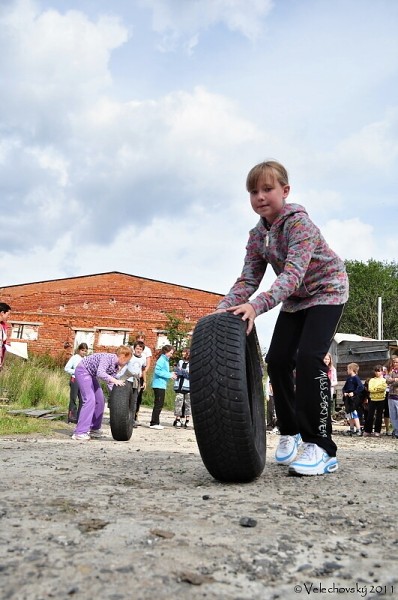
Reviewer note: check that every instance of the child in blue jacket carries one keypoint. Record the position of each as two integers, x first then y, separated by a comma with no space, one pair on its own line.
161,376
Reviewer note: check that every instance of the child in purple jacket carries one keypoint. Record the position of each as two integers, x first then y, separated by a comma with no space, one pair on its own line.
105,366
312,286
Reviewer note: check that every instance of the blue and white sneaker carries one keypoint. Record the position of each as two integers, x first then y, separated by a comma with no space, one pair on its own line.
313,460
287,449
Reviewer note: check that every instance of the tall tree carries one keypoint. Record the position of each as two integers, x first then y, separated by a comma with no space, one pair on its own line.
177,329
368,282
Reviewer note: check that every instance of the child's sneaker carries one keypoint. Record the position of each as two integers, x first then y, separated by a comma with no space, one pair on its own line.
186,424
287,449
81,437
313,460
96,433
177,423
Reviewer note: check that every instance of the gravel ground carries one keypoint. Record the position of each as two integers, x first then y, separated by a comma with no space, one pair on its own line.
143,519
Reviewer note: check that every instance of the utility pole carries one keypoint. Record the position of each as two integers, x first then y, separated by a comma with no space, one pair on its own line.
379,319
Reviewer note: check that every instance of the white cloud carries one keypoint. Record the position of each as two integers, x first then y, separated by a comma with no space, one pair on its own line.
185,20
374,146
50,159
351,238
54,62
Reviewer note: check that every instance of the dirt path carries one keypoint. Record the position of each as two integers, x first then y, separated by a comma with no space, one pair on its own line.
143,519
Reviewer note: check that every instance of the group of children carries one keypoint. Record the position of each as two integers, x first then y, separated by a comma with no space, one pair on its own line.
127,366
367,403
311,284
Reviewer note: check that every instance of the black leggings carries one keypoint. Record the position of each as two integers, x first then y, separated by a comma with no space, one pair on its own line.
74,409
139,398
300,342
375,407
158,405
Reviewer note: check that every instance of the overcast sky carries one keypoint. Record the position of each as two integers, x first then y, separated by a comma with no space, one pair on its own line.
127,129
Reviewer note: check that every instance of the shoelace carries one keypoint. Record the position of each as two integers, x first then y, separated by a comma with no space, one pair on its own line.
307,451
284,441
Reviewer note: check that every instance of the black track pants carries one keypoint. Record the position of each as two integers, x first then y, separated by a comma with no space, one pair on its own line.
300,341
157,405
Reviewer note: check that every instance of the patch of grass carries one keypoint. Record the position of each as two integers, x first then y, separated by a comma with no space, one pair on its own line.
36,383
31,384
21,424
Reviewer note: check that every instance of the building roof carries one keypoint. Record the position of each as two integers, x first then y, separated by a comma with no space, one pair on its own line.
353,337
112,273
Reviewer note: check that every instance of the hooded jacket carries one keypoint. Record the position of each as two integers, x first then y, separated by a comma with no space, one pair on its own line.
181,385
308,272
161,373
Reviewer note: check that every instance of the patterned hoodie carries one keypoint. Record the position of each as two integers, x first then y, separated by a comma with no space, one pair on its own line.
308,272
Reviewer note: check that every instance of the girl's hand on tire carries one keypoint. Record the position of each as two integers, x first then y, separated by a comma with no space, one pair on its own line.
118,382
247,312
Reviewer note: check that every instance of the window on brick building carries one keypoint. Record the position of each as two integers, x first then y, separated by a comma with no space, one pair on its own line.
86,336
161,341
24,331
118,337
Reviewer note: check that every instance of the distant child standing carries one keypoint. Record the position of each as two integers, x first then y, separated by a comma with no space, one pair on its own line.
351,396
377,390
74,394
312,285
136,367
392,382
147,354
332,374
105,366
5,310
161,376
182,402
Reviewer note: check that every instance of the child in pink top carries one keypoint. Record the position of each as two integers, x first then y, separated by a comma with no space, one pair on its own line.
312,285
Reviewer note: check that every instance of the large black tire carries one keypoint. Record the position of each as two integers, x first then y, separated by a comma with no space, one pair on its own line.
227,398
121,412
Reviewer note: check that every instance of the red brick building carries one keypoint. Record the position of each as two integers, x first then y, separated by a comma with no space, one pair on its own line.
104,310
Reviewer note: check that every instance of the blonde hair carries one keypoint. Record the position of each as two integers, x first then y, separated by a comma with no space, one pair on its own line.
353,367
328,355
270,168
390,364
124,351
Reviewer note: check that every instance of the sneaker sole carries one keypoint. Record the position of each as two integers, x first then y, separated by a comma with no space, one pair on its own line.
302,471
286,461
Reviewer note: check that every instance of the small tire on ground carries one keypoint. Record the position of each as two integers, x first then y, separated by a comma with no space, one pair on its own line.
121,412
227,398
